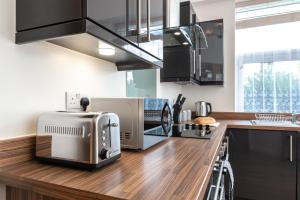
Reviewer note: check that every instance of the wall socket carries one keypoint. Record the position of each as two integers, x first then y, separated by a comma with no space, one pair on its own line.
72,101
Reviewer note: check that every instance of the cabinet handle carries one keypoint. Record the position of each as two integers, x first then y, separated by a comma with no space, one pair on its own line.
194,62
200,66
127,17
138,17
291,148
136,31
148,20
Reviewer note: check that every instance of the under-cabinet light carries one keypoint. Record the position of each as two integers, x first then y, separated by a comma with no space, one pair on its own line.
106,49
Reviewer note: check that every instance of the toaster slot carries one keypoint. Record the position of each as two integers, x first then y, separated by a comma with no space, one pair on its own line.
64,130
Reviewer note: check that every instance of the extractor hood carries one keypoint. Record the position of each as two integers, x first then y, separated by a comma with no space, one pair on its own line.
79,25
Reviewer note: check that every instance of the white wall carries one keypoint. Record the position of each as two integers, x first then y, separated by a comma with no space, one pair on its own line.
34,77
222,98
167,90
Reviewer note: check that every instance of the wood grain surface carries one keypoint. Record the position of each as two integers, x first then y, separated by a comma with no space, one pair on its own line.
178,168
17,150
175,169
233,115
21,194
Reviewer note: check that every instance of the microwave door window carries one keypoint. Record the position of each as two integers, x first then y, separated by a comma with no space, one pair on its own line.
152,123
157,117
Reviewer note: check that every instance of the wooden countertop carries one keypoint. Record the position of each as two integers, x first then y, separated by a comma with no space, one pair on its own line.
178,168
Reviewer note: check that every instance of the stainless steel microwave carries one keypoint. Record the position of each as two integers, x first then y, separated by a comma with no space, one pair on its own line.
144,122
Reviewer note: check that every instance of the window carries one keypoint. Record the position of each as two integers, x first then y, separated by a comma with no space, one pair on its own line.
272,8
268,64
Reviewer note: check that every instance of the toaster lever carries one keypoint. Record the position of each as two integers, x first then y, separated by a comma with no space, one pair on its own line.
114,125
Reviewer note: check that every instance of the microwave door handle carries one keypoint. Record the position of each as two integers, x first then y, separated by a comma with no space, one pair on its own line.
168,128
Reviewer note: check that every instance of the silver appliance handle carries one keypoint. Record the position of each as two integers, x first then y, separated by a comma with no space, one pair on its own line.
222,193
194,62
200,65
216,190
136,31
127,17
138,17
210,192
148,20
218,185
291,148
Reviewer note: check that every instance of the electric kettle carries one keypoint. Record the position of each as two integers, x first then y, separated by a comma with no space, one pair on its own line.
203,109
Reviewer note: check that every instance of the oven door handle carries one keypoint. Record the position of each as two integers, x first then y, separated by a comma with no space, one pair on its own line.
219,182
216,190
168,126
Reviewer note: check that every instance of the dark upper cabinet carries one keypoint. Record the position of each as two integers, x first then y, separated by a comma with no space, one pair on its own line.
178,64
36,13
140,21
203,62
115,15
151,27
212,58
133,27
187,14
264,164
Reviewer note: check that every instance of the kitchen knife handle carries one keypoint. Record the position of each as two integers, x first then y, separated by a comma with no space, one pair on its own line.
178,99
182,101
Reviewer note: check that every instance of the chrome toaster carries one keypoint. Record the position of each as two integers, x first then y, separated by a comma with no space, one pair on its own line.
84,140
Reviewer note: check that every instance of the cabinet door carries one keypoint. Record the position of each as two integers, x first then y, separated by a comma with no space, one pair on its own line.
176,64
264,164
119,16
211,69
35,13
151,29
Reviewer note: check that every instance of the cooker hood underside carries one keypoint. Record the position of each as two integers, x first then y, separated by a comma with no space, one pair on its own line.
84,36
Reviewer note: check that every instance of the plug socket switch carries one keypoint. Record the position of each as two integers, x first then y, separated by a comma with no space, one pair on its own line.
73,101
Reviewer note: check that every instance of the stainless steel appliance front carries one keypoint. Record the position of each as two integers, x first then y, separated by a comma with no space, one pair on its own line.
203,109
79,139
144,122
